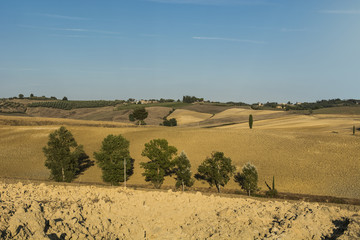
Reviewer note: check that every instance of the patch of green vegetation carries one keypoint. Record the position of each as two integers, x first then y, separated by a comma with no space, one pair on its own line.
323,104
165,104
351,110
68,105
11,107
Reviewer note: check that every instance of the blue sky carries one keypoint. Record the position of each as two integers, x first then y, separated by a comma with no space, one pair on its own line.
222,50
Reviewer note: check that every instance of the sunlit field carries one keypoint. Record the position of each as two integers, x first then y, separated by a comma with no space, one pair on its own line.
309,154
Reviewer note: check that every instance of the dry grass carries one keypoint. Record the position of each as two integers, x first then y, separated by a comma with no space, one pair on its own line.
185,117
224,117
303,156
155,117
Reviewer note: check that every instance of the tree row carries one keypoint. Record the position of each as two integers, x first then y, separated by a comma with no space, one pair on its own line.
66,160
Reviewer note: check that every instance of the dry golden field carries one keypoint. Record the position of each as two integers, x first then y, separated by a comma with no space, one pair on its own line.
155,116
307,154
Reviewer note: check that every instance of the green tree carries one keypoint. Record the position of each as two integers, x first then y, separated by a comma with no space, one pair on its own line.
131,117
21,96
63,155
140,114
182,171
248,178
251,121
31,95
216,170
170,123
160,165
65,99
111,157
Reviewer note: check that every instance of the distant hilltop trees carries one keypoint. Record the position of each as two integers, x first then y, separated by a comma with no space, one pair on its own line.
33,97
306,105
52,102
192,99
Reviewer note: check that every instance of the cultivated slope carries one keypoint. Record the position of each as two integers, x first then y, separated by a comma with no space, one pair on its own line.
303,160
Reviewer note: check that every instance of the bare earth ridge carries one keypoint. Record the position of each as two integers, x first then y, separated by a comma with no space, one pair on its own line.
86,212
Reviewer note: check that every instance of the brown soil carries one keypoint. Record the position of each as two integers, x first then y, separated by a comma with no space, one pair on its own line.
155,117
86,212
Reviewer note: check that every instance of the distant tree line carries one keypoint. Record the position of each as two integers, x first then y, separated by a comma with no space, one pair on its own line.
237,103
68,105
192,99
67,160
33,97
308,105
322,104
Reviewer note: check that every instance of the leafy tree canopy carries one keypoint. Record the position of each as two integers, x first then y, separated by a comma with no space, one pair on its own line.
170,123
182,171
248,178
160,163
140,114
114,151
63,155
216,170
192,99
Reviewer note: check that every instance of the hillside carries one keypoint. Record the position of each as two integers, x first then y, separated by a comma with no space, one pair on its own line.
187,114
307,160
228,116
155,116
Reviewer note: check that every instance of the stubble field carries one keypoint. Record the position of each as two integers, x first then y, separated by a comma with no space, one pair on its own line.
306,154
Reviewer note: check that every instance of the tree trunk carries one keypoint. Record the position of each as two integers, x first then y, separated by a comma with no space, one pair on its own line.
182,185
63,174
158,185
218,187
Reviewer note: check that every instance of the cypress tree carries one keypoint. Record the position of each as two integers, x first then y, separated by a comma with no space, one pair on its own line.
251,121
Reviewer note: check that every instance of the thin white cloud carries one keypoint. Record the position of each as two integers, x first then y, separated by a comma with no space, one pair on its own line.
293,30
68,35
63,17
120,69
346,12
85,30
71,29
230,39
151,35
213,2
19,69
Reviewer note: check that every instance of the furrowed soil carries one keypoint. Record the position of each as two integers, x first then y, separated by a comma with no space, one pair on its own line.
86,212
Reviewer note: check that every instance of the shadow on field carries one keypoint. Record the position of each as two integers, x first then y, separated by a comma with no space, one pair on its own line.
84,164
341,226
